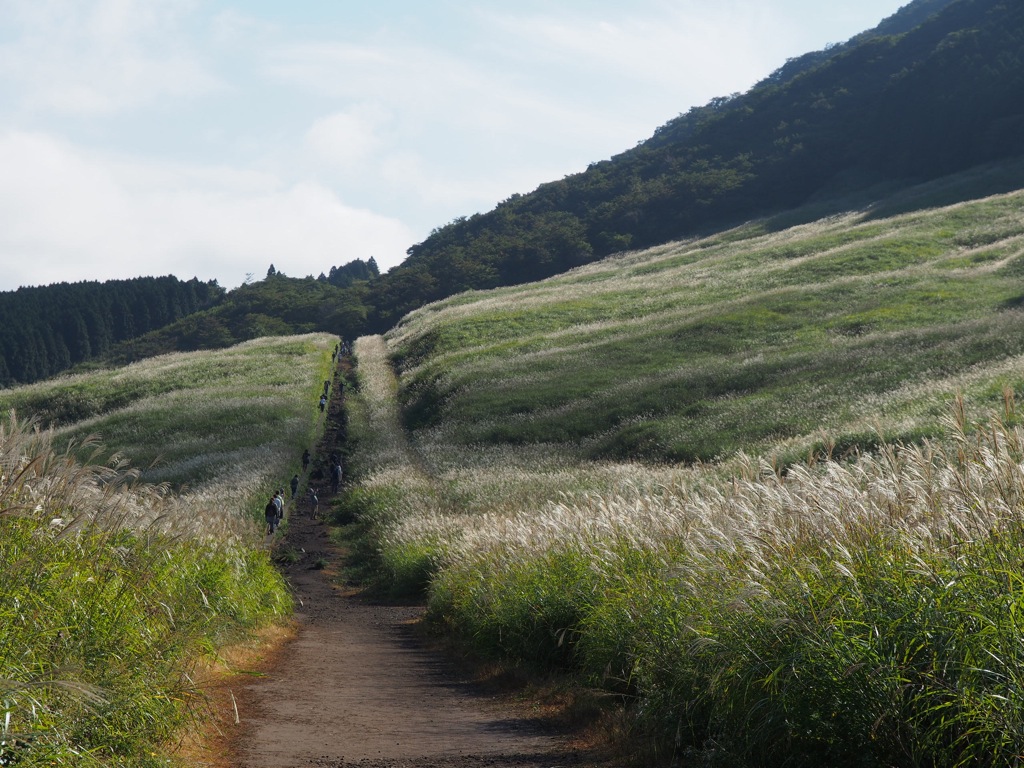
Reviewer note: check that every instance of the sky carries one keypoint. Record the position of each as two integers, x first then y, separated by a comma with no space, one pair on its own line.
214,138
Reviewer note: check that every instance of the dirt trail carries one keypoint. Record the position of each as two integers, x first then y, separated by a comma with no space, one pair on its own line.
357,688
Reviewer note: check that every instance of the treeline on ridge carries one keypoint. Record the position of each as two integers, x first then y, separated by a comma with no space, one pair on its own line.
335,303
50,329
46,330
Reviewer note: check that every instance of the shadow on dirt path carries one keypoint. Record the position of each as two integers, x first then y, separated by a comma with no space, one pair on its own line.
357,688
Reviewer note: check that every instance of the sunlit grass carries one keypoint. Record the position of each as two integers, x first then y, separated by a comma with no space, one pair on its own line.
694,350
117,582
837,613
818,562
227,424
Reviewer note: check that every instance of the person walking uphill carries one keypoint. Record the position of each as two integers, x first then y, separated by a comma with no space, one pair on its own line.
278,501
270,513
336,477
295,485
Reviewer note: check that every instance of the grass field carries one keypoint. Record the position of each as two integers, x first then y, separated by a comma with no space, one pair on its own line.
763,489
694,350
118,584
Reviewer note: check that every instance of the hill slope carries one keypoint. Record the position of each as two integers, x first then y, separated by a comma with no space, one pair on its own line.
934,90
744,614
760,611
117,596
733,342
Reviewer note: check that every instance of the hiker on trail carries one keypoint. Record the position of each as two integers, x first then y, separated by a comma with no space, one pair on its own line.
295,485
327,386
336,477
323,402
279,503
270,513
314,503
305,460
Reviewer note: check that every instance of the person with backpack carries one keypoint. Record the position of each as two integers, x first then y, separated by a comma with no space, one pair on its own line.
279,503
336,475
270,513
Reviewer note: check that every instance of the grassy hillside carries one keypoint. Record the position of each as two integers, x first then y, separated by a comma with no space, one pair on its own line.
194,419
843,613
115,593
742,340
769,608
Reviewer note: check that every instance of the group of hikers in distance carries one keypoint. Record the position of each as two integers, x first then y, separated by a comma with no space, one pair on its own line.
275,509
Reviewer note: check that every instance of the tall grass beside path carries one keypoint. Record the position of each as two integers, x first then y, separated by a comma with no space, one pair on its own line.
115,582
719,481
843,615
222,428
376,420
389,477
111,593
860,613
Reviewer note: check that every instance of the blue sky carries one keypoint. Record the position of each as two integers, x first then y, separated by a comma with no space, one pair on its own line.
212,138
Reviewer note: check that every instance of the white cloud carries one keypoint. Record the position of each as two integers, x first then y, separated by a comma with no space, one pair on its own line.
685,52
72,57
438,130
348,139
231,27
69,215
416,81
514,99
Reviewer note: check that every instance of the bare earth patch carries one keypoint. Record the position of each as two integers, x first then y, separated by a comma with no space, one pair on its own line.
356,687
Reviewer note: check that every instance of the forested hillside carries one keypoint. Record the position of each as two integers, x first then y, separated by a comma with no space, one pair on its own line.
46,330
277,306
935,89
